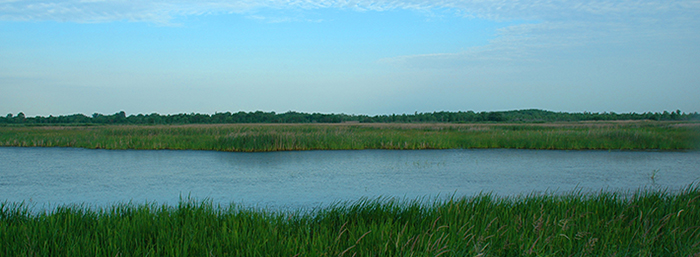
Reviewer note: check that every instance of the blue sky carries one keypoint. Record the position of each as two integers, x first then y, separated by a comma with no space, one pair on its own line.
357,57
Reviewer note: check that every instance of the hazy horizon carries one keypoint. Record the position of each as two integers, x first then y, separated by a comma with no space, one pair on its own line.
324,113
372,57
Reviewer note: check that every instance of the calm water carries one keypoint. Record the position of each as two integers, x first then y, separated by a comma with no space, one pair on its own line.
45,177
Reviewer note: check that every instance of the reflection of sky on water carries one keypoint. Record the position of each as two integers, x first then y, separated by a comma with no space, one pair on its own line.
49,176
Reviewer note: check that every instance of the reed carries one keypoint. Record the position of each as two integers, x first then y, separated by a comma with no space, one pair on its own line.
644,223
277,137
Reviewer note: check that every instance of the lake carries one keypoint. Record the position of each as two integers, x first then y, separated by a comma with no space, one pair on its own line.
46,177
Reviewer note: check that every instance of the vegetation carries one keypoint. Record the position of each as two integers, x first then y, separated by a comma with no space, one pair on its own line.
281,137
646,223
531,115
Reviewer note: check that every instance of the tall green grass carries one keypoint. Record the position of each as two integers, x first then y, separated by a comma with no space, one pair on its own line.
646,223
237,137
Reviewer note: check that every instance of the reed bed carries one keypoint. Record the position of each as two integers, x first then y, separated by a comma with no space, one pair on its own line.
284,137
644,223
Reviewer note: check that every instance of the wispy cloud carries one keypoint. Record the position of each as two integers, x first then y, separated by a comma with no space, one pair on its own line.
160,11
548,24
163,10
565,27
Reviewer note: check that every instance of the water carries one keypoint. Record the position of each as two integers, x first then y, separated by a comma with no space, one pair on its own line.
46,177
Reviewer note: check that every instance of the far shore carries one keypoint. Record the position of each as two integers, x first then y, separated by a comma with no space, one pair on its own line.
587,135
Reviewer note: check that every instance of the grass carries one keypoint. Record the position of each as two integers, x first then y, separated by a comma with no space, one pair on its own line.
645,223
283,137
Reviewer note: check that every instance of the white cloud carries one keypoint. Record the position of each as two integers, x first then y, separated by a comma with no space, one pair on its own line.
163,10
548,24
554,28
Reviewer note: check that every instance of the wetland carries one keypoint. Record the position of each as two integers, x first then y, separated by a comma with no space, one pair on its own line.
553,189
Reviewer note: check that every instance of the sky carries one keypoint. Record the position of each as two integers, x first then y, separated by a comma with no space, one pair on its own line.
369,57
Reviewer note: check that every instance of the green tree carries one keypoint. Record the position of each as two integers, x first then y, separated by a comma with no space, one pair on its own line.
495,116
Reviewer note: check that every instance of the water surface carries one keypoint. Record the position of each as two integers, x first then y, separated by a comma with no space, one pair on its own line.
47,177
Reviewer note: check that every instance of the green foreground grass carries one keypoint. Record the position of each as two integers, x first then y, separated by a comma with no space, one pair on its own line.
282,137
647,223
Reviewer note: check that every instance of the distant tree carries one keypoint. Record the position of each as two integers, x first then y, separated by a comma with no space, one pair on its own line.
674,116
531,115
495,116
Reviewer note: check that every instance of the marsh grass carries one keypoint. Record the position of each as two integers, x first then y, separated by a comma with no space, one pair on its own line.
645,223
283,137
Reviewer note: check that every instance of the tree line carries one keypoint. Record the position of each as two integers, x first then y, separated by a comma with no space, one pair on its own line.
529,115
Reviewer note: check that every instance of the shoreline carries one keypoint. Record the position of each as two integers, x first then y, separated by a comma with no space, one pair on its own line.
603,135
652,222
